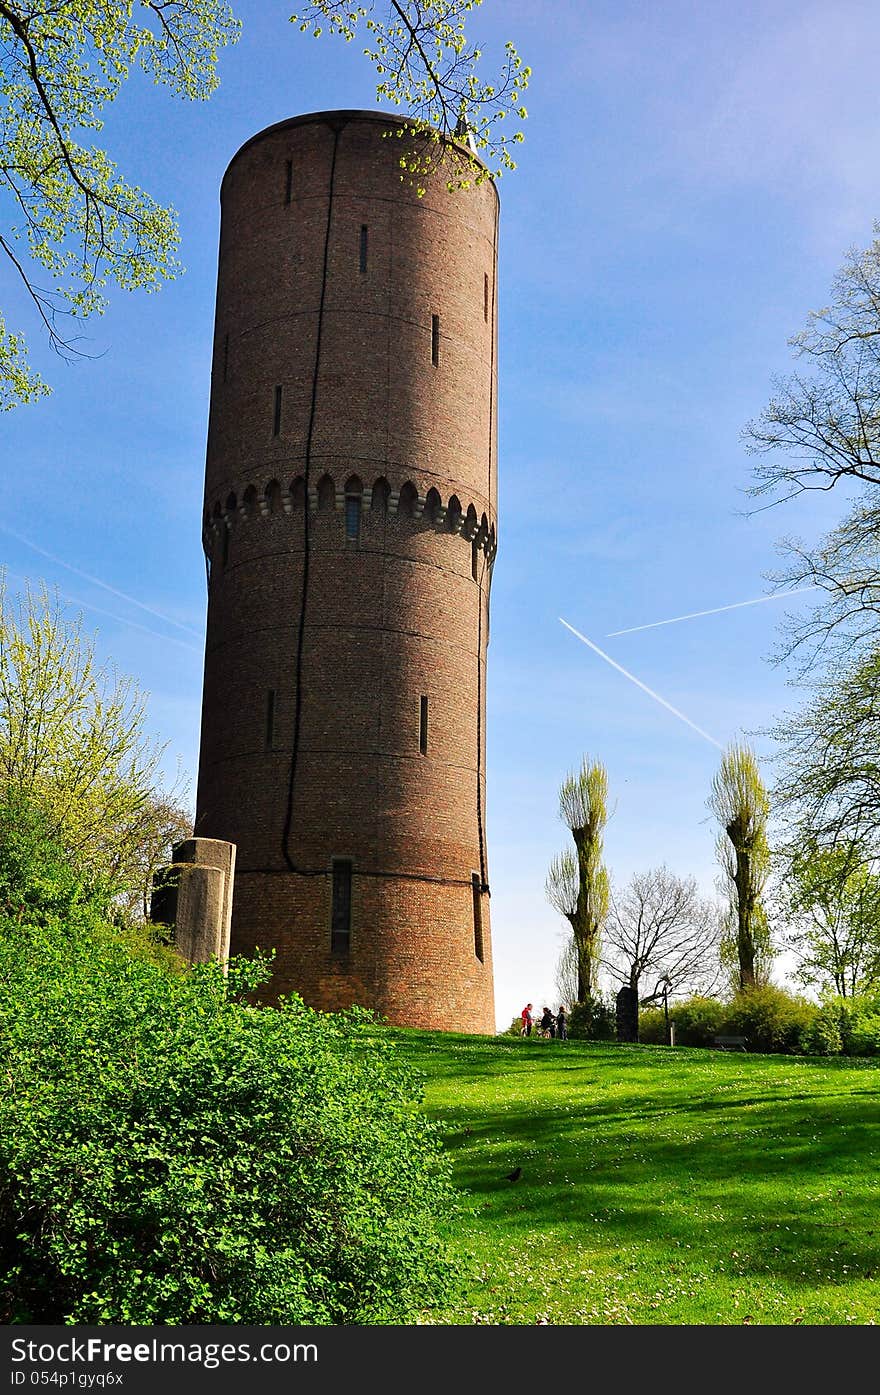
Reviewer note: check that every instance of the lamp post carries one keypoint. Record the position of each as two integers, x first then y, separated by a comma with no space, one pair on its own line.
670,1026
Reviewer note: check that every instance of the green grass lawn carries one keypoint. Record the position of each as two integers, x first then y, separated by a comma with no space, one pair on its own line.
658,1185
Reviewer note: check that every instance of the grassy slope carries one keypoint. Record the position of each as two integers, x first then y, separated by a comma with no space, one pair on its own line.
658,1186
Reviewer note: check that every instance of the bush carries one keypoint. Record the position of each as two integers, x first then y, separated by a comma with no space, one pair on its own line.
824,1036
171,1156
652,1026
697,1021
771,1019
593,1020
863,1034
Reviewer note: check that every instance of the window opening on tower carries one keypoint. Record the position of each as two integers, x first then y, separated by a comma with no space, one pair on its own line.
352,517
340,912
435,339
478,915
486,296
288,180
363,247
423,725
276,419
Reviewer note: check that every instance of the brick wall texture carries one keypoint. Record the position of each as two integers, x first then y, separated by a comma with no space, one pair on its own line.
350,527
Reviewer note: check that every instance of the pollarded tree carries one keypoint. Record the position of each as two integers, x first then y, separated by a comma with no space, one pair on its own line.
70,216
567,972
577,884
662,937
741,805
72,743
427,65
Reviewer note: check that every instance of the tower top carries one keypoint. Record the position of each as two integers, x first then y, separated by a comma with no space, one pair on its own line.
338,119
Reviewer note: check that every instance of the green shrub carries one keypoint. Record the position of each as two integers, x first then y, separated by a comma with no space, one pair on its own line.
593,1020
697,1021
824,1035
771,1019
171,1156
863,1036
652,1026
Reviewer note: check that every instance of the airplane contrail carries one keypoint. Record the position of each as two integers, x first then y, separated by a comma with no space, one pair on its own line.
96,581
122,620
716,610
639,684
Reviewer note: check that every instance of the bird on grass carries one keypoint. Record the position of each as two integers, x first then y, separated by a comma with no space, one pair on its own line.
515,1175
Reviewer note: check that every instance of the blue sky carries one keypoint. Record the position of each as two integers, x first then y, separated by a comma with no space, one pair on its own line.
692,176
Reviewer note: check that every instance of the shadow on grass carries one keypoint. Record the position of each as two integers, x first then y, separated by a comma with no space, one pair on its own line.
757,1165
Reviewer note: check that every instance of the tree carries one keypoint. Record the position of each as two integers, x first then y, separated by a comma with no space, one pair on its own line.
577,884
831,898
821,429
662,937
70,213
828,785
567,972
426,64
72,743
161,824
740,802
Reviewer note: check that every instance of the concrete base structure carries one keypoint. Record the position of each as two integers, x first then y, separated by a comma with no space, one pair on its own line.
194,895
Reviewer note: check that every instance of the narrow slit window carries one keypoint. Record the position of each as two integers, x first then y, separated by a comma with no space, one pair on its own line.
340,916
226,358
478,916
486,296
270,719
276,420
352,517
435,339
423,725
288,180
363,247
475,552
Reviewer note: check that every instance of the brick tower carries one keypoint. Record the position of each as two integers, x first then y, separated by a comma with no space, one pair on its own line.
349,526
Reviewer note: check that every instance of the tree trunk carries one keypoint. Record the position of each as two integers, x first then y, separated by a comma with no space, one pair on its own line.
745,944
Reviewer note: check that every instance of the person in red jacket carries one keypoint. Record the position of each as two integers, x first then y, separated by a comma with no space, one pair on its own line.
527,1020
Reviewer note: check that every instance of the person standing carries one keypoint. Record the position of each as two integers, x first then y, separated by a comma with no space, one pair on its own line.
561,1024
548,1023
527,1020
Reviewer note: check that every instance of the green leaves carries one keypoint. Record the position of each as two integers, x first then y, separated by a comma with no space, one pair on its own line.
740,803
426,65
578,885
70,211
168,1155
72,743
